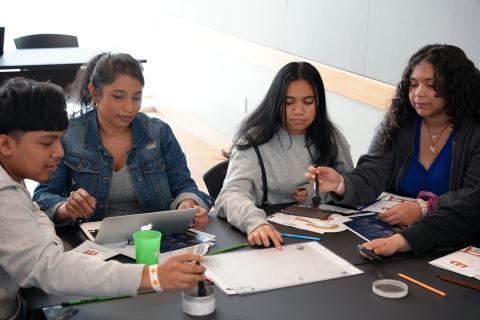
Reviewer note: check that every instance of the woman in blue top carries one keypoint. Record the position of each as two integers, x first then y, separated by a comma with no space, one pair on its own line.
117,160
429,140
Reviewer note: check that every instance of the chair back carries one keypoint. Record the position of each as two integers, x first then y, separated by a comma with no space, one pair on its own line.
46,40
214,177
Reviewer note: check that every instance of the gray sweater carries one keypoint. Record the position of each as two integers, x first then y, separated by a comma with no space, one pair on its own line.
31,255
286,161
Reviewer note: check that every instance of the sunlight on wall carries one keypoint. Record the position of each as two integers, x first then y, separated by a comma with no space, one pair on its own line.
97,24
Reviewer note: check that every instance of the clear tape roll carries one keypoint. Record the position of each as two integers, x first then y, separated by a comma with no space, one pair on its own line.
389,288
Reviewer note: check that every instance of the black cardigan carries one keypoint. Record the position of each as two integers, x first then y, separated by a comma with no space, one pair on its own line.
457,224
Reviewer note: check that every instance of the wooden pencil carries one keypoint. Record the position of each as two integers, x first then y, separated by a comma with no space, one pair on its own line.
423,285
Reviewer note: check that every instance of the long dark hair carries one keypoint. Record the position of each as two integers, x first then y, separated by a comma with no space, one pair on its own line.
260,126
457,80
102,70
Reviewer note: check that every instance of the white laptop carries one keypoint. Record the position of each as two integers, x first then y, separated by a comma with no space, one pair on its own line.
120,228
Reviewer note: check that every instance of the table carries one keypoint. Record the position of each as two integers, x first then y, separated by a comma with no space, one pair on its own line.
344,298
59,65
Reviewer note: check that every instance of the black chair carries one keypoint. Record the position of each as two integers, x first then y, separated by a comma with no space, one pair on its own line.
62,76
46,40
214,177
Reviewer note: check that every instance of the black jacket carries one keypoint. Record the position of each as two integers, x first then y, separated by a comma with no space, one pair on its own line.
457,224
379,171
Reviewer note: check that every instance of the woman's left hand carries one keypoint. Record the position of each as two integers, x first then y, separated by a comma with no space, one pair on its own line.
387,246
405,214
300,195
200,221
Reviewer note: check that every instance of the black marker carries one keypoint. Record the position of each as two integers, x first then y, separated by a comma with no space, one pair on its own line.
369,253
202,290
316,192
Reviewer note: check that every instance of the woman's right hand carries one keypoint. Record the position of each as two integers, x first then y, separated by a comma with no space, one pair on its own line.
80,204
328,178
262,235
180,272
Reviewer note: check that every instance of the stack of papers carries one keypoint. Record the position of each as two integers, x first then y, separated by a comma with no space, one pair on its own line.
465,261
174,244
384,202
265,269
362,221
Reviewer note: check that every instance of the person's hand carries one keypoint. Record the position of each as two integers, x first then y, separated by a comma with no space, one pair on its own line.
328,178
180,272
300,195
404,213
387,246
200,221
262,235
80,204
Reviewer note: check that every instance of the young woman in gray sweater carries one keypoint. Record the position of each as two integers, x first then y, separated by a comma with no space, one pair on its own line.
291,129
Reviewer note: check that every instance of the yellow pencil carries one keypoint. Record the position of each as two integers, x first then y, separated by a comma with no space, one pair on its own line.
423,285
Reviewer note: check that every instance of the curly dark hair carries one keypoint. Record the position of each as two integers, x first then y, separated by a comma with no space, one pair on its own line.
260,126
457,80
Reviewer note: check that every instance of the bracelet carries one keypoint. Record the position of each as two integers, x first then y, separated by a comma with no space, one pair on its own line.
340,185
423,207
431,199
153,273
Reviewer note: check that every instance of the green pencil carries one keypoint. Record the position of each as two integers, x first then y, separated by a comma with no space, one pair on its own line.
235,247
91,300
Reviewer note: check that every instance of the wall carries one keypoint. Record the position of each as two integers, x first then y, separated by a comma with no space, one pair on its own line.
203,74
369,37
204,80
373,38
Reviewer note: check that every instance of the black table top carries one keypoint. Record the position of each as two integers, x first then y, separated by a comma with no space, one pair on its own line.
344,298
50,58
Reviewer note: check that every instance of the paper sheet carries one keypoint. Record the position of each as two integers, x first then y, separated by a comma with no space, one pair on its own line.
465,261
334,223
266,269
384,202
95,250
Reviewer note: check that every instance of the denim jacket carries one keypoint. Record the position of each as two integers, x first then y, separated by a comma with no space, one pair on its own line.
156,163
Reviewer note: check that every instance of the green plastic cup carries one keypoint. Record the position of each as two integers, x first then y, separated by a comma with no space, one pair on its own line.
147,246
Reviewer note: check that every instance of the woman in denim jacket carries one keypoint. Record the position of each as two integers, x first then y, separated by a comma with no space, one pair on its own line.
117,160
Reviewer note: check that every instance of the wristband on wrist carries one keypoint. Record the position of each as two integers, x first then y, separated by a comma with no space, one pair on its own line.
423,207
153,274
430,198
340,185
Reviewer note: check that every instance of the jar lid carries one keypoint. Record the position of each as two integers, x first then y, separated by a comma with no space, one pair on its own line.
389,288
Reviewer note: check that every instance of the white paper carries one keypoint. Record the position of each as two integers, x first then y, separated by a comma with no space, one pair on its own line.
385,201
329,207
334,223
465,261
266,269
95,250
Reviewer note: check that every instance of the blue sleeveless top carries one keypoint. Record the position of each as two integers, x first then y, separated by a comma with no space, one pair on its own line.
437,178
